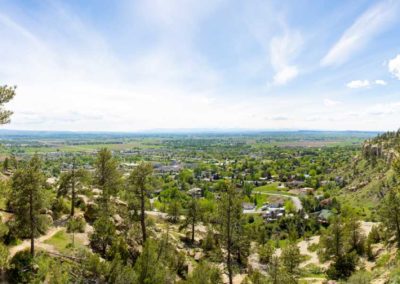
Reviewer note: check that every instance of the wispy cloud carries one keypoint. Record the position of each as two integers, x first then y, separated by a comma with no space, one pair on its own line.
170,65
371,23
278,118
381,82
331,103
358,84
394,66
283,49
384,109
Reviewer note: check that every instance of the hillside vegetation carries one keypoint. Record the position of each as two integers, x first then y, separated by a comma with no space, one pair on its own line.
371,173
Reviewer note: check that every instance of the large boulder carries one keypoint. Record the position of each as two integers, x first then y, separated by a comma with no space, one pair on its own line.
91,212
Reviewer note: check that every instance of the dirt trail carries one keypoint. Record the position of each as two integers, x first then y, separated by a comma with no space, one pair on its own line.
39,242
366,227
313,256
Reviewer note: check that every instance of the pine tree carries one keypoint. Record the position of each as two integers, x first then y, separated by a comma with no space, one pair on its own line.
334,239
139,181
107,177
7,93
174,210
6,164
390,213
193,216
27,199
291,259
230,211
355,236
70,182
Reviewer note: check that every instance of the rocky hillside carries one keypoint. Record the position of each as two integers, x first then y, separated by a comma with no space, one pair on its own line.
370,174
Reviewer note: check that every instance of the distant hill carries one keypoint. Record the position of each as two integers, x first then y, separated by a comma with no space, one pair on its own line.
297,134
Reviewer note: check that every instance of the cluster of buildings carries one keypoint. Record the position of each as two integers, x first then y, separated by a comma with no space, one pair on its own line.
270,212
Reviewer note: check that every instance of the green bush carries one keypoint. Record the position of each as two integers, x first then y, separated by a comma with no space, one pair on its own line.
312,269
360,277
76,225
22,268
343,267
91,212
59,207
266,252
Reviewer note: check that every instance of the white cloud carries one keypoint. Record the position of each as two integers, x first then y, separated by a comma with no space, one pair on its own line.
282,50
356,84
380,82
285,75
72,76
384,109
331,103
394,66
371,23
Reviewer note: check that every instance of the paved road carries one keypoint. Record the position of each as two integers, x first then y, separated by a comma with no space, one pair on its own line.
295,199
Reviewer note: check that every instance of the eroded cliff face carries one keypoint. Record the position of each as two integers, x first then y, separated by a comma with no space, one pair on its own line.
373,172
384,147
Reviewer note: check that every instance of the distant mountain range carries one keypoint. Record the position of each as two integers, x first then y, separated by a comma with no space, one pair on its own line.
51,133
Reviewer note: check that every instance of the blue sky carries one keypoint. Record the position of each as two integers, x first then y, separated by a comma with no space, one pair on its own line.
135,65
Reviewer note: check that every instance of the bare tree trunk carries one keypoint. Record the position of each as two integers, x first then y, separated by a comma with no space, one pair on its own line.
142,216
229,257
397,221
73,190
193,227
32,224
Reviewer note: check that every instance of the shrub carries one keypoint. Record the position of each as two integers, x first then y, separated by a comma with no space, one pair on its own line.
343,267
360,277
313,269
3,257
22,268
91,212
266,252
205,273
374,236
59,207
76,224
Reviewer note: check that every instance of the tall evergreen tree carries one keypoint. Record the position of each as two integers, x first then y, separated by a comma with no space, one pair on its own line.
139,185
107,177
355,236
174,210
334,239
72,181
291,259
27,199
230,211
193,216
390,213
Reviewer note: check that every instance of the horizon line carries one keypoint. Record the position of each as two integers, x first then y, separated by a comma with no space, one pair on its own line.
194,130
